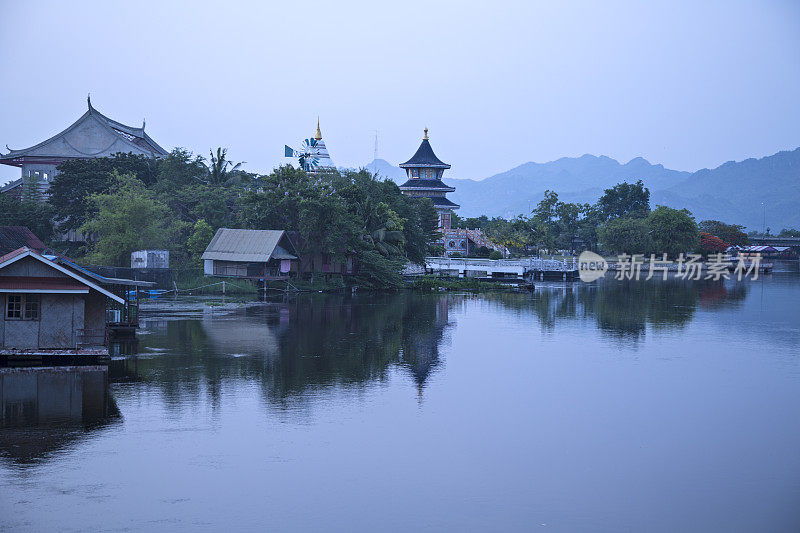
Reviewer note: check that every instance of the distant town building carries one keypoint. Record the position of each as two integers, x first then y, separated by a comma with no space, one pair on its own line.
247,253
92,135
424,171
49,309
312,156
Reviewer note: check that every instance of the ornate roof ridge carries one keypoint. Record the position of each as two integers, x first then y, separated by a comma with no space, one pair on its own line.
113,125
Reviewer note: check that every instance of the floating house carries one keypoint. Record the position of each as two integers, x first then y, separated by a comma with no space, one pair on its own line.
254,254
92,135
49,309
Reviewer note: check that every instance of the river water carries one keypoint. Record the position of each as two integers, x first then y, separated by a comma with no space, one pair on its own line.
611,406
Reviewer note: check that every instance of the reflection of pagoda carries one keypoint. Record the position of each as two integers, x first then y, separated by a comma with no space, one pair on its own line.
424,172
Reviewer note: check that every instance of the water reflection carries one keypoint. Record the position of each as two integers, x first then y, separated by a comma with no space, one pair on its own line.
303,345
293,346
625,309
47,409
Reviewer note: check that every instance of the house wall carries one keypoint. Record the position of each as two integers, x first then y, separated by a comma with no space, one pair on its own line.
60,316
32,267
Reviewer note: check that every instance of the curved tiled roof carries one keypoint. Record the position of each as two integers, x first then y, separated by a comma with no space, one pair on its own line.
426,184
92,135
424,158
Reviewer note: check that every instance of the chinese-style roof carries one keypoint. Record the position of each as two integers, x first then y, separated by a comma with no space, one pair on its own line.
92,135
15,237
20,283
419,183
424,158
248,245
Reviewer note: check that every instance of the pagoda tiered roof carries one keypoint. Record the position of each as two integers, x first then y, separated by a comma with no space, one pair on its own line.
441,201
427,184
424,157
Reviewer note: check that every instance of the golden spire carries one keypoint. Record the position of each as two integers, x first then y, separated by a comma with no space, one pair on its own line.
425,137
318,135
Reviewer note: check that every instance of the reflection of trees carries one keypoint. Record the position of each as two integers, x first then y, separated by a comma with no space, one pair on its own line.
290,347
43,410
626,308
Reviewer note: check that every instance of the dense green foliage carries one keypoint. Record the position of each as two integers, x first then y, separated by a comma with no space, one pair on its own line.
129,218
35,215
673,230
126,202
627,235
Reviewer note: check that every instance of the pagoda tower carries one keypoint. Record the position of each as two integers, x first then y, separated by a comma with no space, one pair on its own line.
312,156
424,171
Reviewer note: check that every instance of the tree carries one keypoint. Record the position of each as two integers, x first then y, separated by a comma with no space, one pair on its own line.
179,169
201,236
626,235
129,218
35,215
673,230
545,220
78,179
711,243
218,174
625,200
788,232
733,234
569,216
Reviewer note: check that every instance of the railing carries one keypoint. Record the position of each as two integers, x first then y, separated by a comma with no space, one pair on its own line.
90,337
565,265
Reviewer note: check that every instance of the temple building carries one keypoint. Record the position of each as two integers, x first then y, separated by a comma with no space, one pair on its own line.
312,156
92,135
424,171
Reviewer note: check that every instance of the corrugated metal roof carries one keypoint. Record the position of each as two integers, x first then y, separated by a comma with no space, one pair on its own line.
245,245
15,237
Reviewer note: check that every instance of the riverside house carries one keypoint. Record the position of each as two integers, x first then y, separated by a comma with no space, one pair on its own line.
48,309
249,253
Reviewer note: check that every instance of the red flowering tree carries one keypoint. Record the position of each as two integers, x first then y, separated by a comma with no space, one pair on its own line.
711,243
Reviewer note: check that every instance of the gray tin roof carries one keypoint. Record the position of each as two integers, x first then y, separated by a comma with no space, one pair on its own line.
248,245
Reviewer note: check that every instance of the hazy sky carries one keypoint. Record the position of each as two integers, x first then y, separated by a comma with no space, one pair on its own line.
687,84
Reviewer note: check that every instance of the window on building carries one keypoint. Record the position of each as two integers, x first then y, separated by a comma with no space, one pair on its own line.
31,307
22,307
14,306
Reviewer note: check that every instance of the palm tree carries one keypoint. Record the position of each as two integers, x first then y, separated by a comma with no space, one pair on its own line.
218,173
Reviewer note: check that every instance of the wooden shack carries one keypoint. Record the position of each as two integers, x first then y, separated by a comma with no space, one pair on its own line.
247,253
48,309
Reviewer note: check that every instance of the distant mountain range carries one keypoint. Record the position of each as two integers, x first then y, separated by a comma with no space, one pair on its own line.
732,192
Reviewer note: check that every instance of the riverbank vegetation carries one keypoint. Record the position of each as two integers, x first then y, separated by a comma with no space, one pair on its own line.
126,203
621,221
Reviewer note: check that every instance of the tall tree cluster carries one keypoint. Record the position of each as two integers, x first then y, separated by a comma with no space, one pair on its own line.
129,202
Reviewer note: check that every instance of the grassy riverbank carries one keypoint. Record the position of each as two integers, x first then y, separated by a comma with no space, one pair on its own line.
433,283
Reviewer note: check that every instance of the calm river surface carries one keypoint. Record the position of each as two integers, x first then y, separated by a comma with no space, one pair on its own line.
658,406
